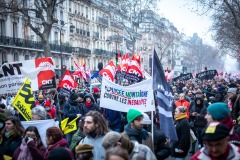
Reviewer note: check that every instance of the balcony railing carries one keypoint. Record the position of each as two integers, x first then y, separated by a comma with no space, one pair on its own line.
103,21
18,42
82,51
95,35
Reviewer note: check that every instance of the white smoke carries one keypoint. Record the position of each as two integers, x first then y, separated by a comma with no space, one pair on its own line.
231,65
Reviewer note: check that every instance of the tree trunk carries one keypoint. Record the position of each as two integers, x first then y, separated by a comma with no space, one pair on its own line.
46,49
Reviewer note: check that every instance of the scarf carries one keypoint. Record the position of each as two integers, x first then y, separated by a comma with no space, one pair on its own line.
8,134
180,116
227,121
25,153
88,104
127,144
135,134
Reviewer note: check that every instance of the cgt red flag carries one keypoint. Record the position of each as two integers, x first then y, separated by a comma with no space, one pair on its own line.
125,62
109,71
68,82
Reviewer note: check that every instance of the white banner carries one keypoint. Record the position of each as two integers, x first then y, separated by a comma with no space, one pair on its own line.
39,71
42,126
122,98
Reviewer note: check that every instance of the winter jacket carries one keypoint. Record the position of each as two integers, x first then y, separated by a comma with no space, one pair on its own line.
8,147
94,106
198,121
37,152
114,119
71,109
142,137
141,152
60,143
98,150
183,143
76,138
202,154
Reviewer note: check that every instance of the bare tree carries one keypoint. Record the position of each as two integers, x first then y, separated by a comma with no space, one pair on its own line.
226,23
132,12
34,12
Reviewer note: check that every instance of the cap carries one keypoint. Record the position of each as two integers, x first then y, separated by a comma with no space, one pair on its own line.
82,148
215,131
110,139
198,91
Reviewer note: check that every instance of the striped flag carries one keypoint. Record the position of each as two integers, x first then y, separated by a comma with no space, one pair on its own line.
164,98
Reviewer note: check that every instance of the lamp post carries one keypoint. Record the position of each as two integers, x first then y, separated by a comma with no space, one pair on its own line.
71,27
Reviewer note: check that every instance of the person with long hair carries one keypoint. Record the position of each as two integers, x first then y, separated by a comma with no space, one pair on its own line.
95,127
31,146
54,139
11,136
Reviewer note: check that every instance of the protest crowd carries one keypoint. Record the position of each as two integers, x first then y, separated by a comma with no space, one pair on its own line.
75,125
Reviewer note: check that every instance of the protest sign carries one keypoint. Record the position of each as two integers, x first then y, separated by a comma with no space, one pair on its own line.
42,126
24,100
209,74
183,77
138,96
40,72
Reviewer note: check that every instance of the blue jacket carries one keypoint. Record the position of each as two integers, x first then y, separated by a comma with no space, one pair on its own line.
71,109
113,118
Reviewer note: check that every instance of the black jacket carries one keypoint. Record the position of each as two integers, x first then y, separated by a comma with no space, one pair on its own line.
94,106
183,133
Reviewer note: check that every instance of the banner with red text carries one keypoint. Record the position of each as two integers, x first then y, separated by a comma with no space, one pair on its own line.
138,96
39,71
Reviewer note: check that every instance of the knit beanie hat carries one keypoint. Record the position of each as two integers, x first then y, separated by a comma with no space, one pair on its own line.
146,119
110,139
132,114
47,104
232,90
40,97
218,111
61,96
81,95
83,148
95,90
74,96
215,131
59,153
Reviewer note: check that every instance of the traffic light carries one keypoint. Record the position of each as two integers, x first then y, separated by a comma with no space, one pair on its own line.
118,55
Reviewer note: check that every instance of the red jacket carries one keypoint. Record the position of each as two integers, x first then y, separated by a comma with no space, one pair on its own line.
61,143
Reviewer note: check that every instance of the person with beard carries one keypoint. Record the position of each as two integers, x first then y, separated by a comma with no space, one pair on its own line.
197,114
60,105
95,127
134,129
96,94
71,110
89,104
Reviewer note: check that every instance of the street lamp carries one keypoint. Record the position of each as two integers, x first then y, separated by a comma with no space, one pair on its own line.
71,27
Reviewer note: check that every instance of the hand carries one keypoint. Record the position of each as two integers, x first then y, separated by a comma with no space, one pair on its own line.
28,139
78,115
180,151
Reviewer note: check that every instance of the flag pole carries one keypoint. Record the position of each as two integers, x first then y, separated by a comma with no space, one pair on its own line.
153,101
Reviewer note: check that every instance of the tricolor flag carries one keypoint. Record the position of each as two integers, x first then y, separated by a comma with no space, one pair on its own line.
164,98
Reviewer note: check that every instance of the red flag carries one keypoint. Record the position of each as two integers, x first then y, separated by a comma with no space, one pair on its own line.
68,82
125,62
135,68
109,71
84,75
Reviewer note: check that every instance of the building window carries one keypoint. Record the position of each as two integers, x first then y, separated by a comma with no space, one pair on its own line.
26,36
15,57
56,37
26,57
61,15
86,12
2,27
70,6
4,57
14,31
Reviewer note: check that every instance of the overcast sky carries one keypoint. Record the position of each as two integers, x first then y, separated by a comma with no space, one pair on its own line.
179,13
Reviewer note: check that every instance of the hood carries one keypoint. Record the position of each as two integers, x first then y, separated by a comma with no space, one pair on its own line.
89,95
